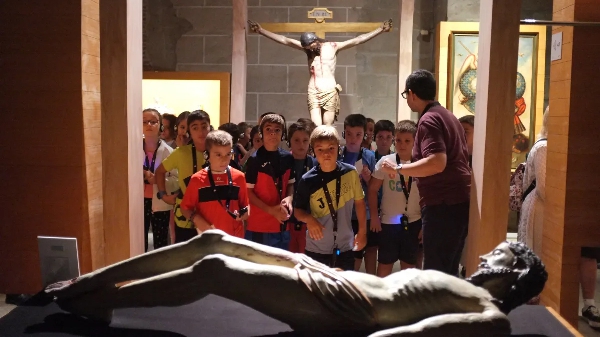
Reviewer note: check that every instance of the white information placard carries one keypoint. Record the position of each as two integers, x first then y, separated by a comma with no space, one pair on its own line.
556,48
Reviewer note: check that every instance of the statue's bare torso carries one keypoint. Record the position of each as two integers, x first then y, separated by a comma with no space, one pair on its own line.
400,299
322,68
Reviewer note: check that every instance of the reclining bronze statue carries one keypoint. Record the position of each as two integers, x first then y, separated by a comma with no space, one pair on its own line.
309,296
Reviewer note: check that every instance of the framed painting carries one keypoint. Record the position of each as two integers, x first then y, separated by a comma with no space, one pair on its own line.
175,92
457,78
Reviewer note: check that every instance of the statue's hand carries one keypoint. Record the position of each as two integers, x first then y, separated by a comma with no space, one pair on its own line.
387,25
254,26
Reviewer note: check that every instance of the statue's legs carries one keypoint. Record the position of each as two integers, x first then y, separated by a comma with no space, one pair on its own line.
329,117
172,258
316,116
271,289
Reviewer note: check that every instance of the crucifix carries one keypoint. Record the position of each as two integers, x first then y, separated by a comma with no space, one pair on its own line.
323,91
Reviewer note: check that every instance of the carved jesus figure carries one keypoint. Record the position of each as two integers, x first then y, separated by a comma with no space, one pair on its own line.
323,91
309,296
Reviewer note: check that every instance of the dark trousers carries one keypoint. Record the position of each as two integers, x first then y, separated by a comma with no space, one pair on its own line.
445,229
184,234
160,225
344,261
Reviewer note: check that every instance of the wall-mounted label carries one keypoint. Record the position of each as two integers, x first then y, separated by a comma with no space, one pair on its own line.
556,47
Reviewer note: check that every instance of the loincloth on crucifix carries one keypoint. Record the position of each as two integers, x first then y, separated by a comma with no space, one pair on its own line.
327,100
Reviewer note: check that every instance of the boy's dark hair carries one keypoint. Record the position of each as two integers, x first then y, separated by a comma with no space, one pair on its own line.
172,123
354,120
242,127
299,126
406,126
198,115
468,119
422,83
218,138
181,118
383,125
253,132
309,124
273,118
231,129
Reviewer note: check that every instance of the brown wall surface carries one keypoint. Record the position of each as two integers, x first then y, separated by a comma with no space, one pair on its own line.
572,182
50,104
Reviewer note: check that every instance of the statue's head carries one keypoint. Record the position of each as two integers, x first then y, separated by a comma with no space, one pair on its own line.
512,273
311,43
306,39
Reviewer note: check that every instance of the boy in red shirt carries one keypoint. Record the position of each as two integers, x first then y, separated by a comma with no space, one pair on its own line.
216,196
270,186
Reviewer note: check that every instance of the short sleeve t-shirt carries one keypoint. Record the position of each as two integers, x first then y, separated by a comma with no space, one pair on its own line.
263,171
182,160
393,201
359,160
301,166
439,131
310,198
200,195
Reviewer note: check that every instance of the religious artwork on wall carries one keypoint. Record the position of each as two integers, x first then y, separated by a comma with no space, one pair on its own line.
175,92
459,80
323,91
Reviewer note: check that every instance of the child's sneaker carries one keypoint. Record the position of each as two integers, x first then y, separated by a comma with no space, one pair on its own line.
592,315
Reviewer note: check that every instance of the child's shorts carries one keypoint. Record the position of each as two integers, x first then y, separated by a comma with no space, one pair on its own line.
398,242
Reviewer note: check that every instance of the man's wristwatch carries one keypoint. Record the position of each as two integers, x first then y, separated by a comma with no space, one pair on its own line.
160,194
399,168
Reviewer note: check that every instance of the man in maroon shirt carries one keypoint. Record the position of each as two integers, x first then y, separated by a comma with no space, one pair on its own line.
441,168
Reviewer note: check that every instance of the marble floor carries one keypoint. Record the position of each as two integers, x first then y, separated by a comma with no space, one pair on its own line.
583,327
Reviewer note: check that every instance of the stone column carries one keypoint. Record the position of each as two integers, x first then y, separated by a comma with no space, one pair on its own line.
238,62
407,12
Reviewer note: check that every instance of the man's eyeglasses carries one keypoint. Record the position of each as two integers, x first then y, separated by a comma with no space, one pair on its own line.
404,93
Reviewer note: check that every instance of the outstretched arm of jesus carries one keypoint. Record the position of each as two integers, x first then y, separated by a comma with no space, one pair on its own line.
385,27
275,37
473,324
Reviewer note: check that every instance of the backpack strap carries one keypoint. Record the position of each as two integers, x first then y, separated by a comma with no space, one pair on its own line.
529,189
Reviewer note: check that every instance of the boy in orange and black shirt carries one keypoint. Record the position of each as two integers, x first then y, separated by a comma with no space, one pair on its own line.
216,196
270,187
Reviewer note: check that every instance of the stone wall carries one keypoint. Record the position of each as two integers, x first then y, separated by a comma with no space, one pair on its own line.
278,75
196,35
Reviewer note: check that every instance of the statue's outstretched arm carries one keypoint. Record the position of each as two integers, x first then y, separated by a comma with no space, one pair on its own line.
385,27
472,324
286,41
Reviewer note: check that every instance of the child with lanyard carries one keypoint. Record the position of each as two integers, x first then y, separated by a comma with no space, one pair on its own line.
187,159
330,237
400,222
270,186
299,143
216,196
156,212
355,128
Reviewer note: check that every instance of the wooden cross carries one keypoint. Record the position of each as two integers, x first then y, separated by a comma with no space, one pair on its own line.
320,27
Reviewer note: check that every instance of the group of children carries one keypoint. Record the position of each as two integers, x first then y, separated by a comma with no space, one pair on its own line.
334,203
